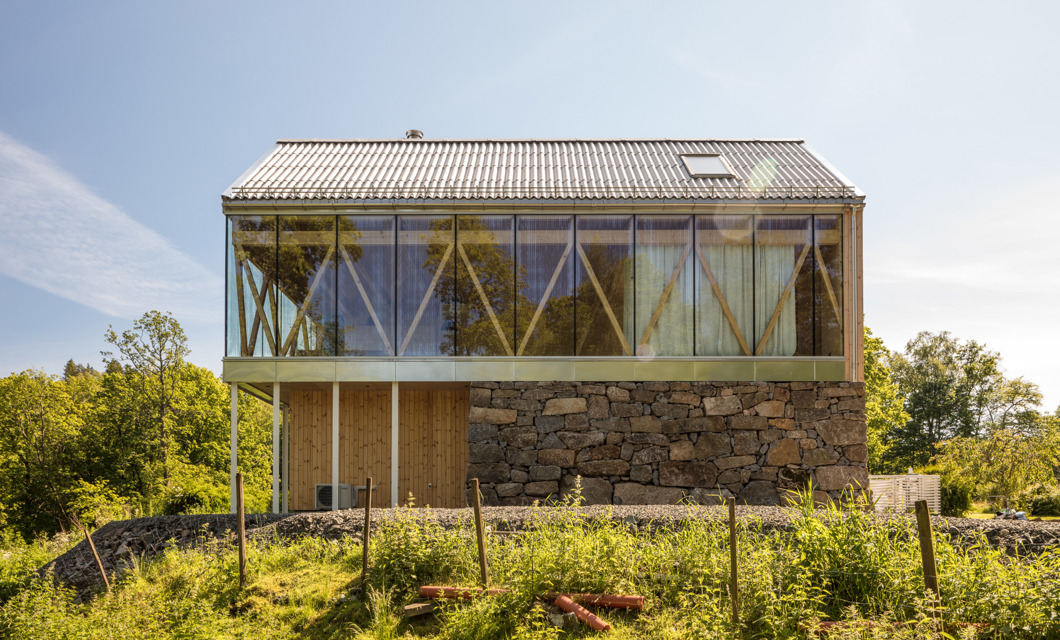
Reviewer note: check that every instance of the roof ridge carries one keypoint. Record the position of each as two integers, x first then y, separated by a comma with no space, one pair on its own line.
452,140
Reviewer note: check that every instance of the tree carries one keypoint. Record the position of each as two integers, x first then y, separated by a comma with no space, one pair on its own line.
884,403
1005,462
155,349
39,429
950,387
74,369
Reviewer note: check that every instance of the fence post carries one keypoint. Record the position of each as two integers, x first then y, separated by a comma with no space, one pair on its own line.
92,546
241,524
927,548
734,594
365,535
480,535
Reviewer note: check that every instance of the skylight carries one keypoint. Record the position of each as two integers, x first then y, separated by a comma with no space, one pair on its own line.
708,165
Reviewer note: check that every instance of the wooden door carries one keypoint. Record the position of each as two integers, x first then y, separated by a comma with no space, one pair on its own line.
432,439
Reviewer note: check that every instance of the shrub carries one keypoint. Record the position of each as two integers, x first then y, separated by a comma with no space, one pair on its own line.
955,494
1043,501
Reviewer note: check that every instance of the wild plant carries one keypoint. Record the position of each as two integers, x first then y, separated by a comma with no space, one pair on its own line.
410,549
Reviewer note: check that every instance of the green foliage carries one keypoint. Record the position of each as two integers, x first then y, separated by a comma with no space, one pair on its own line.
19,560
410,550
984,431
884,403
1004,462
1041,500
146,437
948,386
836,563
39,433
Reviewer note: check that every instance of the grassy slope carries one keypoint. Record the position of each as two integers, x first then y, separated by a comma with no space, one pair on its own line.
832,566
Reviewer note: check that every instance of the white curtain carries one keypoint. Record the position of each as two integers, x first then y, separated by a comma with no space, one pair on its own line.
732,268
672,332
774,266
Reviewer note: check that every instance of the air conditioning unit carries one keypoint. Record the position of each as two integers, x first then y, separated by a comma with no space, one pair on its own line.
324,496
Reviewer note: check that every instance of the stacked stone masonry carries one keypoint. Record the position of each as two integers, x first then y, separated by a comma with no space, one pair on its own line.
664,442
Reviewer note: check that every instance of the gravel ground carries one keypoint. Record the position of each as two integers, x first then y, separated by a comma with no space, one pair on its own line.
122,544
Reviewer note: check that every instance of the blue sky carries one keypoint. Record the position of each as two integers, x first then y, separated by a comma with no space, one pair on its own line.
122,122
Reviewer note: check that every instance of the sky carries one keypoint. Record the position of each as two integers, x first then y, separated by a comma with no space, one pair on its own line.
122,122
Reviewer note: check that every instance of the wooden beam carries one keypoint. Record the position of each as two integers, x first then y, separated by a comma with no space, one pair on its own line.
485,299
544,299
364,296
252,344
241,309
426,298
305,303
666,292
603,299
716,288
783,299
260,314
828,283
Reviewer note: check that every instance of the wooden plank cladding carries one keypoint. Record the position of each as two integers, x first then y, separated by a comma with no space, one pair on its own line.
433,446
364,441
432,440
310,445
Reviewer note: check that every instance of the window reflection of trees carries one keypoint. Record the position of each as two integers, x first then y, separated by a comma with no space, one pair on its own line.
536,285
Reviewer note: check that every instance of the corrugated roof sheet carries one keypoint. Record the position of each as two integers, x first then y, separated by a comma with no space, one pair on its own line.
447,170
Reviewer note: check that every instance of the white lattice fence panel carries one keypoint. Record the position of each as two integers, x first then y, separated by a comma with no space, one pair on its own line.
900,492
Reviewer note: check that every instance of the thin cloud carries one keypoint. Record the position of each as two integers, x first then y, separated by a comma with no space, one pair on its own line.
60,237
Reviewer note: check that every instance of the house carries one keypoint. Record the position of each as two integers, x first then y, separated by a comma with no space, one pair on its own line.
663,319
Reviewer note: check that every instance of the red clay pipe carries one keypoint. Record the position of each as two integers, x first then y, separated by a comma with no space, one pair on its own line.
565,603
602,600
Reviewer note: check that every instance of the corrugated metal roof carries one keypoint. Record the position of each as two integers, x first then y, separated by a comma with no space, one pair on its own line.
447,170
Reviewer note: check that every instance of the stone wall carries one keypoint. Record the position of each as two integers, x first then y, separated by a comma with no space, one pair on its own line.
662,442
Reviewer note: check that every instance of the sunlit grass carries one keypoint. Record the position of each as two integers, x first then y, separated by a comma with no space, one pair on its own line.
834,564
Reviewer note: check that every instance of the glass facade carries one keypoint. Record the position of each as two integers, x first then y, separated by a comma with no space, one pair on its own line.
535,285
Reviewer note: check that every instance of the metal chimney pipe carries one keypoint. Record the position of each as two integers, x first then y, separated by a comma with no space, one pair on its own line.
413,134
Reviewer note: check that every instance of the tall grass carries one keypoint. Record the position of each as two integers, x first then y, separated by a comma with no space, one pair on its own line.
835,563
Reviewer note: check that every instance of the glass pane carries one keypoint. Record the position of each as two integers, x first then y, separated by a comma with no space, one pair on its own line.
604,298
251,289
783,303
485,286
306,265
724,277
366,286
546,258
426,278
664,281
828,285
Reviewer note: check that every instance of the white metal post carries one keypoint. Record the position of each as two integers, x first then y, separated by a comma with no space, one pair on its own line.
275,447
394,444
234,442
334,446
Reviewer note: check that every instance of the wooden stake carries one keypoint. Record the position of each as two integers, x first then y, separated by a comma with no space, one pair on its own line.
927,548
92,546
480,535
365,535
241,523
734,594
